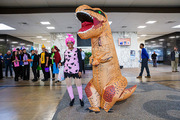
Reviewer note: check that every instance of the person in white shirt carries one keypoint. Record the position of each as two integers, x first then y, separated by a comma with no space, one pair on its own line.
83,57
174,59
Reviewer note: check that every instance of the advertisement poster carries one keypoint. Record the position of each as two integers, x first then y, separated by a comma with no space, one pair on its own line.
132,54
124,41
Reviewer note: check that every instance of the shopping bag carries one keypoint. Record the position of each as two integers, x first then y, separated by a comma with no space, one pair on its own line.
46,69
39,68
61,73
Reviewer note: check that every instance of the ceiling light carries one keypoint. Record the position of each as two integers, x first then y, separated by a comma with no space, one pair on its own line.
153,41
22,43
39,37
45,23
28,45
177,26
161,39
144,35
110,22
6,27
44,39
1,40
14,42
150,22
48,41
172,37
141,26
50,27
138,37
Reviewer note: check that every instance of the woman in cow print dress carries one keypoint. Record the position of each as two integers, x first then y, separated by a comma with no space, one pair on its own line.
73,69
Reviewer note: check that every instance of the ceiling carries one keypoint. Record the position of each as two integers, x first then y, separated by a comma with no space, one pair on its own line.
102,3
62,22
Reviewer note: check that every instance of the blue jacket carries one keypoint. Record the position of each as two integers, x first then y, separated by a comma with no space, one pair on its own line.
6,60
144,54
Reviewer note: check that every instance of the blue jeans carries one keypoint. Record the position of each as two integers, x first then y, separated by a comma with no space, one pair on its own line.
144,64
10,68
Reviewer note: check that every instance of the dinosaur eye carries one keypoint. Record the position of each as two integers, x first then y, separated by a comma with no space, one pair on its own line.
99,12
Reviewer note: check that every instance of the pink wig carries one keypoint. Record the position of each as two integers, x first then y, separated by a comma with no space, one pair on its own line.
70,39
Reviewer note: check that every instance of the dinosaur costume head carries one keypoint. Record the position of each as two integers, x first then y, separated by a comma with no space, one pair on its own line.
93,21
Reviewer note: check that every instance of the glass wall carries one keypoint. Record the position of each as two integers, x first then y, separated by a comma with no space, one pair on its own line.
163,46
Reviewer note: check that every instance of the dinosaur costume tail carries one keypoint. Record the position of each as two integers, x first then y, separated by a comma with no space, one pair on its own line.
127,93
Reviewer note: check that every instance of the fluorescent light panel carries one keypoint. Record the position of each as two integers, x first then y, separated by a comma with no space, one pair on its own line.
143,35
48,41
177,26
39,37
44,39
6,27
45,23
151,22
141,26
50,27
14,42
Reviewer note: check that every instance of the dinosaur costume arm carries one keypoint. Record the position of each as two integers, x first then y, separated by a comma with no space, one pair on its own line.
105,57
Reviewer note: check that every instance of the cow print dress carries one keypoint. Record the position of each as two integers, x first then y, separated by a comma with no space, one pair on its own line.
72,63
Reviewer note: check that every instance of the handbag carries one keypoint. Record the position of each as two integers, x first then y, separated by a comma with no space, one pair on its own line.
46,69
61,73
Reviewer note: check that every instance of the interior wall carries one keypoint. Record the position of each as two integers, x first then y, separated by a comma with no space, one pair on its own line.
123,52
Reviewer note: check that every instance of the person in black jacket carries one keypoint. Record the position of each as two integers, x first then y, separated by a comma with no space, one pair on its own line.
15,61
26,56
1,66
38,73
153,56
34,63
175,59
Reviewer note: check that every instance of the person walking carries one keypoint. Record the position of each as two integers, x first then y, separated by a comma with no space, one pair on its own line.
43,63
26,56
153,56
8,63
144,64
83,58
15,60
73,69
175,59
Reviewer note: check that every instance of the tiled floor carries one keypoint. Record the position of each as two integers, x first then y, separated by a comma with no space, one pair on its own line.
26,100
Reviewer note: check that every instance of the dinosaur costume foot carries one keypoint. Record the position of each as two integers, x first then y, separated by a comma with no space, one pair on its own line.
93,109
127,93
93,97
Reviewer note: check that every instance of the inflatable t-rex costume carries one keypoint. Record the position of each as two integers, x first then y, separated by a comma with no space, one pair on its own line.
107,85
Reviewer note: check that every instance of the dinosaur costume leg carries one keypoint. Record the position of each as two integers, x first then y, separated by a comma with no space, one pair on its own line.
112,92
93,96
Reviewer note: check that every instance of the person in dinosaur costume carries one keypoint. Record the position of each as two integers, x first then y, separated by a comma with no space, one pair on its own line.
107,85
